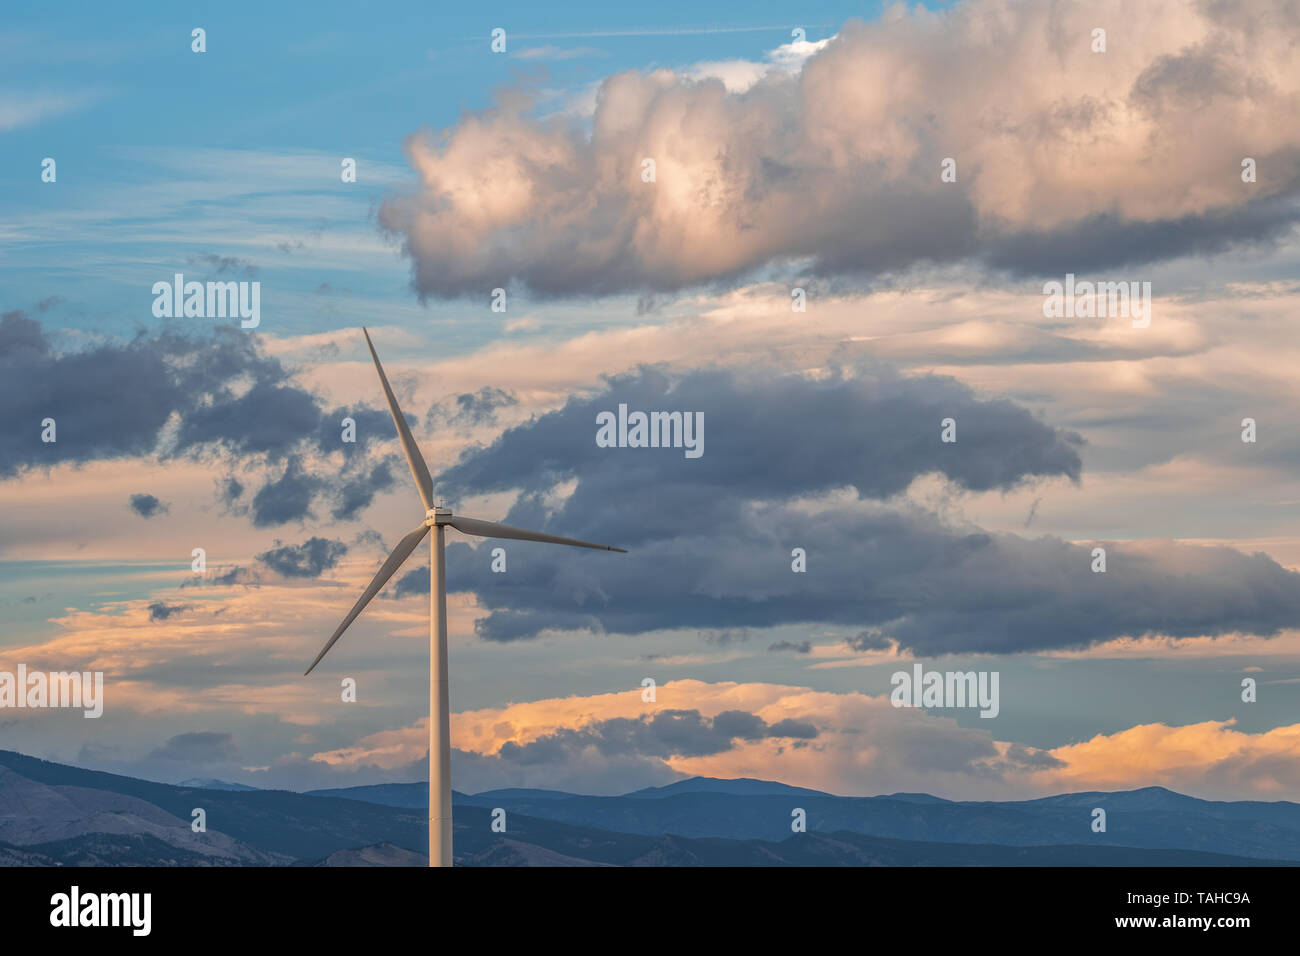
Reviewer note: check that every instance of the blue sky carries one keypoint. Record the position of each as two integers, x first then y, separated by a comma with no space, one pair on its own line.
160,149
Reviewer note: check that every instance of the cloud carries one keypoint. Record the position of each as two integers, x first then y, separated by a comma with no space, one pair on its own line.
25,108
933,587
415,581
472,408
204,747
195,397
802,647
372,425
307,560
668,733
170,374
287,498
861,746
868,428
224,264
227,578
1104,160
556,52
725,636
231,489
246,661
739,75
146,506
713,552
271,417
358,493
869,640
158,611
849,743
1210,758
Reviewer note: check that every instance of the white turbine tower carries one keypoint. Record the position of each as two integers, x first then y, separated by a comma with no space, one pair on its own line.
436,518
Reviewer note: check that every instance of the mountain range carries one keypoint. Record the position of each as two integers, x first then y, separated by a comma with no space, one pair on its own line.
53,814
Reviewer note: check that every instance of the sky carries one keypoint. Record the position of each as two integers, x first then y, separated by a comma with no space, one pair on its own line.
914,177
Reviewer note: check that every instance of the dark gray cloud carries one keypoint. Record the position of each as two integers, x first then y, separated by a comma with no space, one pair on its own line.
228,398
19,334
158,611
36,384
168,374
1108,241
802,647
668,733
415,581
287,498
767,435
724,636
471,408
357,493
306,560
869,640
370,538
372,425
224,264
146,506
1031,758
711,538
202,747
932,587
792,729
271,417
230,491
227,578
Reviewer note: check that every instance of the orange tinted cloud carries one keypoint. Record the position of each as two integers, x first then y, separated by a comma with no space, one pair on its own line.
866,746
1209,758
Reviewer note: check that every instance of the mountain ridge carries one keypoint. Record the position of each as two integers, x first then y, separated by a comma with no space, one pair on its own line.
53,814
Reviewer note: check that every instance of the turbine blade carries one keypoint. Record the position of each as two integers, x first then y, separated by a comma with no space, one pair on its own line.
419,470
400,554
490,529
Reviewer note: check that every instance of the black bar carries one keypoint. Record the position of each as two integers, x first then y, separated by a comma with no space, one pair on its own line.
221,906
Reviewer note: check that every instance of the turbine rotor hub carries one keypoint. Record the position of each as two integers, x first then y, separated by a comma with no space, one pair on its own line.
437,516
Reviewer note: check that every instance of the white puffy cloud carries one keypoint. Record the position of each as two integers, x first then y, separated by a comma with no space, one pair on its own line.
1066,157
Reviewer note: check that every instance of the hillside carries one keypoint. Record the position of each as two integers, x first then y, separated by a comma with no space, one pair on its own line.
53,814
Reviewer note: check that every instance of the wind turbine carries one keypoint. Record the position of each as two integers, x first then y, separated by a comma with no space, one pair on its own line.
437,518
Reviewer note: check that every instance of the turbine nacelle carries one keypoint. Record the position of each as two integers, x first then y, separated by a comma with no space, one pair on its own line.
437,516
